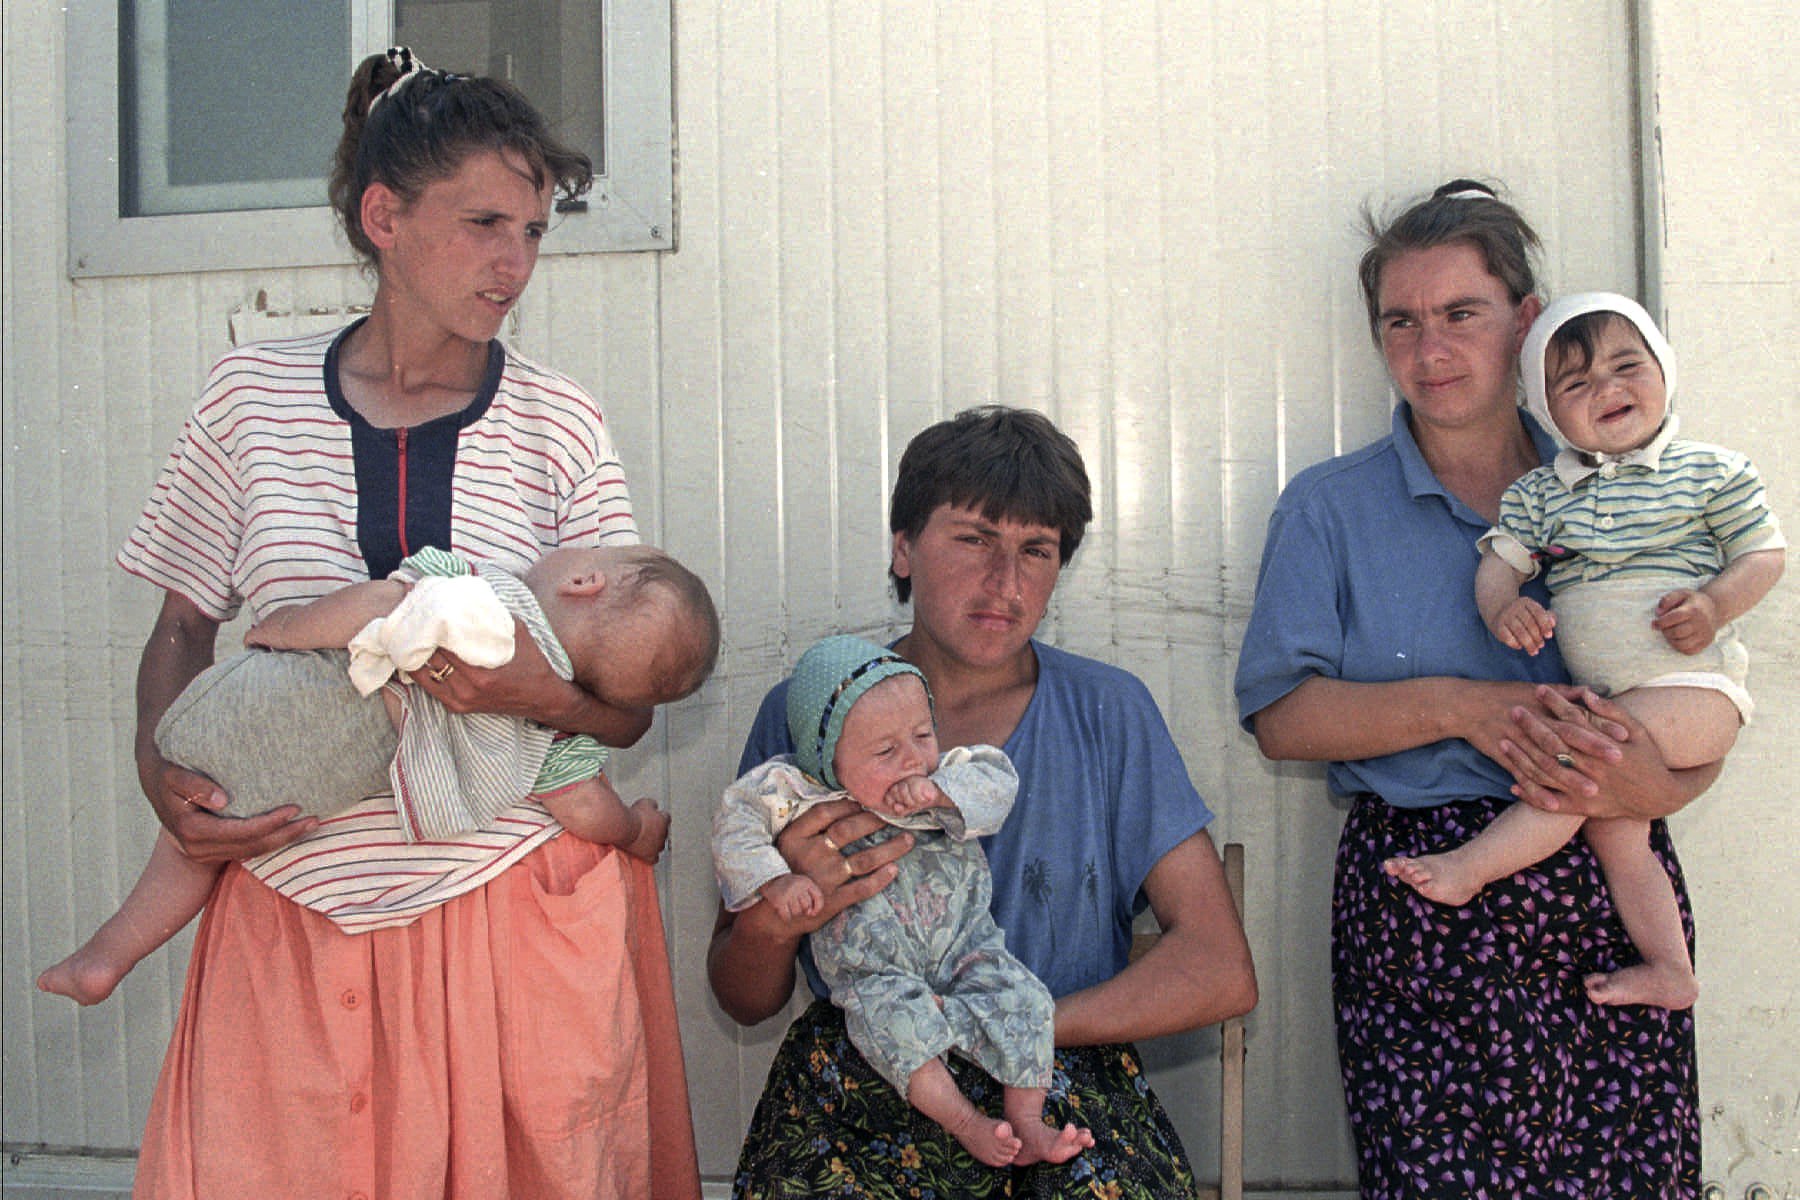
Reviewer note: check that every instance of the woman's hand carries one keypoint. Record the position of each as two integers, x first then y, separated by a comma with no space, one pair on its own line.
1559,747
180,646
750,963
527,687
813,846
1575,752
190,807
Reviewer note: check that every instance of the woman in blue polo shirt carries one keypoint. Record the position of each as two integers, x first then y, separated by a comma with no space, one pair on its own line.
1473,1062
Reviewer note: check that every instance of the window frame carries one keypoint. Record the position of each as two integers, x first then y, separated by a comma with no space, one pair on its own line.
630,208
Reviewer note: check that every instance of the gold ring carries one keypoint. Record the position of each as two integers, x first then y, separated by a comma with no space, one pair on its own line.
835,848
849,874
439,674
190,801
1566,762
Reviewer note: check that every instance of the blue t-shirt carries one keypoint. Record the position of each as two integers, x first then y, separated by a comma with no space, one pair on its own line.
1368,575
1103,795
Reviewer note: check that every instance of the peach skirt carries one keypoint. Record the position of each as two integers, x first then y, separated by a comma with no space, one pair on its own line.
519,1040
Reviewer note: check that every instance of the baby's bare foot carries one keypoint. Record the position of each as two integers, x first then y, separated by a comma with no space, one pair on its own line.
992,1142
1041,1143
1437,877
84,977
1647,983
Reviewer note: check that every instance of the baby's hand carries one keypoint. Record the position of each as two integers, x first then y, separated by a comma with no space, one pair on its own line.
1689,620
793,896
913,794
1524,624
653,831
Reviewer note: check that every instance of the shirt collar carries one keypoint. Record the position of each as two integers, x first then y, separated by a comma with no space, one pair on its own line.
1420,481
1573,466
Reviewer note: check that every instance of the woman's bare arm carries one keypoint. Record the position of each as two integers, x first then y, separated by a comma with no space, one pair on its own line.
179,648
1334,720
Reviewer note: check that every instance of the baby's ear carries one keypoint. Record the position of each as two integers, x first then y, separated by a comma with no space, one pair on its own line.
585,583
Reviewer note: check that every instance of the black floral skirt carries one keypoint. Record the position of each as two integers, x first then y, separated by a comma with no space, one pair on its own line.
1474,1064
829,1126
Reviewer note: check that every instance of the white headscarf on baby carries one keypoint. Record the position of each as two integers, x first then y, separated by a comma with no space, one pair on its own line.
1560,313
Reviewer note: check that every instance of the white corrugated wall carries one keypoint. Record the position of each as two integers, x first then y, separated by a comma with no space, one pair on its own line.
1138,217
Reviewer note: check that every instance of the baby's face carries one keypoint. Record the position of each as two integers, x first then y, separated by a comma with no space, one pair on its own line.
1617,401
887,737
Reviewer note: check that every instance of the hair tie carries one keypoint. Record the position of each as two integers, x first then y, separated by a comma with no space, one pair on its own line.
1472,193
408,64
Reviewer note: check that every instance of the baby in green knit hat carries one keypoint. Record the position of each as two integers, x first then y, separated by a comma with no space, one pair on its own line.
920,968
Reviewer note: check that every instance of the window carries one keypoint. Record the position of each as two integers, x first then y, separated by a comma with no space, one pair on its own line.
201,131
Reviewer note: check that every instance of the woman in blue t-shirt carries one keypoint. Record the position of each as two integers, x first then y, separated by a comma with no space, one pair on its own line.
987,508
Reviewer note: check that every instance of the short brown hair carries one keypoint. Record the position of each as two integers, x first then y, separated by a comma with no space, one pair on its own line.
1006,463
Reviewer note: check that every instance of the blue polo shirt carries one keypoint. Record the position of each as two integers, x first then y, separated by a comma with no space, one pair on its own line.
1368,575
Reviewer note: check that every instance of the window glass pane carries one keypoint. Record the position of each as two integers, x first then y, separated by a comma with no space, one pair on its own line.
229,104
551,49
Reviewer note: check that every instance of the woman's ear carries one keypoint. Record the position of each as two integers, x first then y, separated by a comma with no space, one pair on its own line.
380,206
1529,308
900,556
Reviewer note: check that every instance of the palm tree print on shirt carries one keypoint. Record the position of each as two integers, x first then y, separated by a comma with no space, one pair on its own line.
1090,887
1037,882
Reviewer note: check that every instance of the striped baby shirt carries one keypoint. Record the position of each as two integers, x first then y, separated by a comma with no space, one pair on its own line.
1674,508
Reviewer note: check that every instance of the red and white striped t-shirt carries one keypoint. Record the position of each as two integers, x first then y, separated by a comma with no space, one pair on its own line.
258,504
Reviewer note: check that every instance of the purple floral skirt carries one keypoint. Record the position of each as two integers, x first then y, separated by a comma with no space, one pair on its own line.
1474,1065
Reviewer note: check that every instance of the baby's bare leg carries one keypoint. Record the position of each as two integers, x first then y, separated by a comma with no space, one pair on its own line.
169,893
933,1092
1038,1141
1645,898
1692,726
1517,838
593,811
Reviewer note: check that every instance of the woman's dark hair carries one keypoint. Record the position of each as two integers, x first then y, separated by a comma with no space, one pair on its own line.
1005,463
423,130
1463,210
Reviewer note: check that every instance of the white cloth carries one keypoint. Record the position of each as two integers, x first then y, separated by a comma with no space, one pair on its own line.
457,613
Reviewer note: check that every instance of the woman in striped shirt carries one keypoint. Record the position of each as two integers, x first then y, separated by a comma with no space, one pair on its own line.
484,1015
